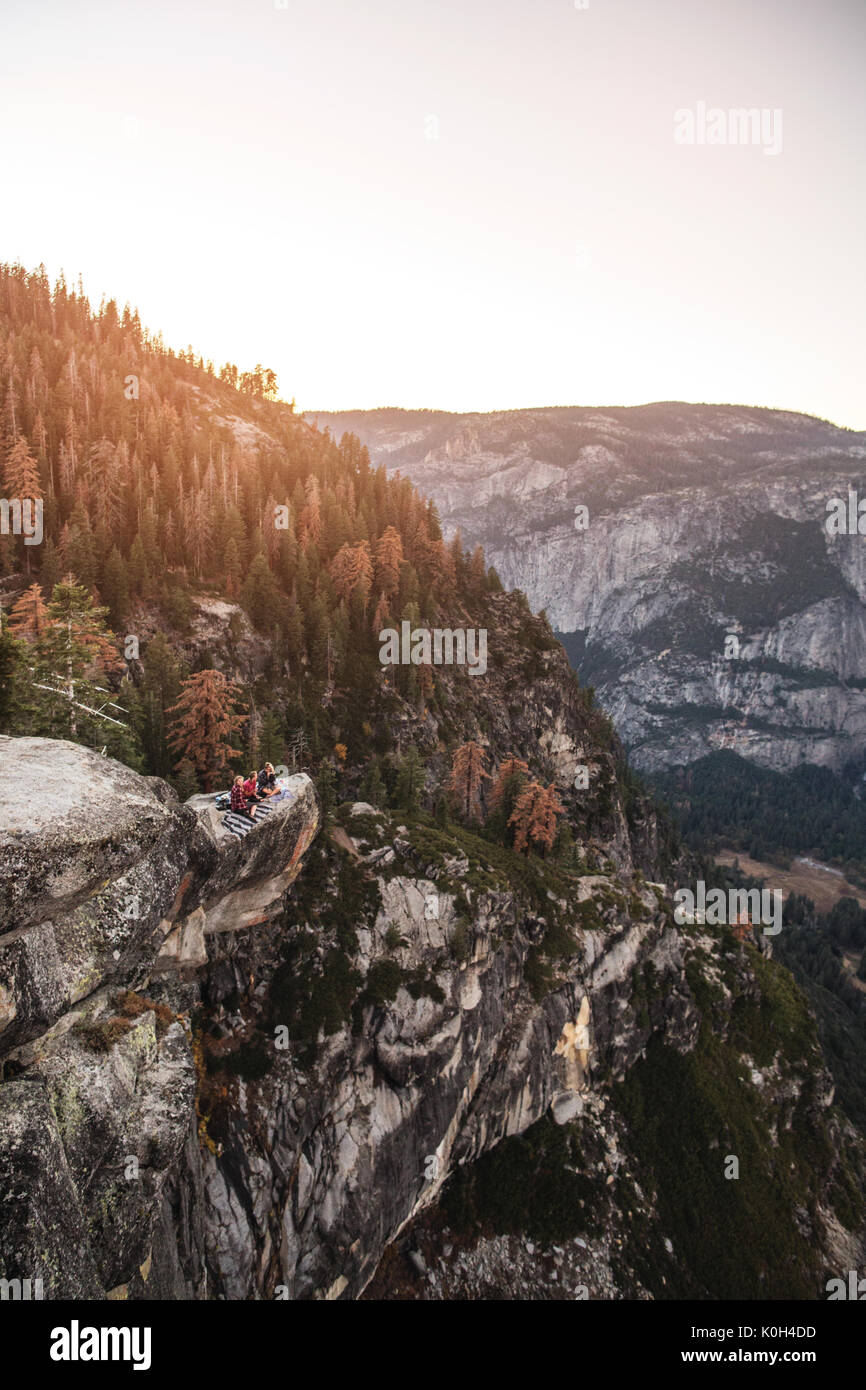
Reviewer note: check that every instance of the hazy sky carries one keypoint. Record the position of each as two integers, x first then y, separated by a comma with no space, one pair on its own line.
464,204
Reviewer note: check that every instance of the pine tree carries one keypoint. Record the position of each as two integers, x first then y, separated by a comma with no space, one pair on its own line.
13,681
176,606
260,595
138,572
81,555
477,573
311,514
458,559
271,744
373,789
74,658
534,818
317,638
352,571
115,588
29,615
410,782
21,474
511,776
445,572
159,691
51,568
410,587
232,569
293,632
299,749
381,617
425,684
325,787
207,715
389,558
186,783
467,776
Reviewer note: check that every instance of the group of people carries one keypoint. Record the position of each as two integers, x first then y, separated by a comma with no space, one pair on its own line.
246,794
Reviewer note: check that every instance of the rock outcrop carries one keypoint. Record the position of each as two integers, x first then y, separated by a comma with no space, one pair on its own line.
92,857
107,883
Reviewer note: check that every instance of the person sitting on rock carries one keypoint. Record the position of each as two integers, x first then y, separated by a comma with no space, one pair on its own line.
239,800
251,789
267,782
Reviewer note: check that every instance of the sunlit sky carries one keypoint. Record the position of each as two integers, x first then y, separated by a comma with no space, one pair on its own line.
461,204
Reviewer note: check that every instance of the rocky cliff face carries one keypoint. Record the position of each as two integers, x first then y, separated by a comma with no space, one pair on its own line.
704,522
108,885
425,993
320,1152
252,1065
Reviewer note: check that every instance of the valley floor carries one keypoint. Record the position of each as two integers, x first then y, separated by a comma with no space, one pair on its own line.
825,886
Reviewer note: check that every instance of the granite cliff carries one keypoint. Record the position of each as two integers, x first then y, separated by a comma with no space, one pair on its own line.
704,522
255,1065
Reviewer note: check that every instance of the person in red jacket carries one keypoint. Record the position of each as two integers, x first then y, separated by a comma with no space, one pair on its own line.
251,789
239,801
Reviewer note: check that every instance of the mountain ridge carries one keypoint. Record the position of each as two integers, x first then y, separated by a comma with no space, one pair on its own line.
704,521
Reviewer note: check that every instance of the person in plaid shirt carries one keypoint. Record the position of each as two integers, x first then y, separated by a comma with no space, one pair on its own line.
239,801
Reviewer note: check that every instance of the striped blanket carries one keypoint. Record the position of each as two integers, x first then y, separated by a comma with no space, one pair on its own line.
239,826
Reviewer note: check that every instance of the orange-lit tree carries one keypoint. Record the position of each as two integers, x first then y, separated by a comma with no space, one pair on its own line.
534,818
207,715
29,616
467,778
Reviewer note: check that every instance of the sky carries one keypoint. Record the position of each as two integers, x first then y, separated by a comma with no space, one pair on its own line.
458,204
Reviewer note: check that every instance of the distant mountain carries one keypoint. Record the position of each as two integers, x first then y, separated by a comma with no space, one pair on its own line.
703,521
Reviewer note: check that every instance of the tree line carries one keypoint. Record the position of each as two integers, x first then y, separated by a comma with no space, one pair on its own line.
159,478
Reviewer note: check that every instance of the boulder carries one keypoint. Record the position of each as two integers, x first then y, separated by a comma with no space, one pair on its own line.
91,860
71,822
